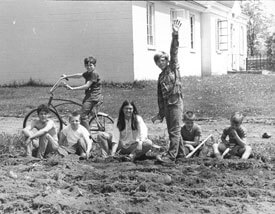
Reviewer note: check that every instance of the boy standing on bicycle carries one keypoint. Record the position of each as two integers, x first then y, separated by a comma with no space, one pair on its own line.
92,89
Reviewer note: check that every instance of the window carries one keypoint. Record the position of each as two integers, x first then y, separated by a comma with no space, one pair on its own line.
173,16
150,24
179,14
231,35
192,31
222,35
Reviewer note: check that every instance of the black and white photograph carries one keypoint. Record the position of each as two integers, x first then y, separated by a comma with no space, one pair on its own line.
137,107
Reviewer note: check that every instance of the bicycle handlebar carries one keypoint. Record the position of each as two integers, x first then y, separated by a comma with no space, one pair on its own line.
57,83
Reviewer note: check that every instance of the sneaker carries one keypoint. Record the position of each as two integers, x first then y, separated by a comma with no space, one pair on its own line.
181,156
61,151
131,157
165,159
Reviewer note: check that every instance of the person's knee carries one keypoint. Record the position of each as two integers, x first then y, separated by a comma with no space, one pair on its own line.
248,148
47,136
215,146
100,136
103,136
148,143
25,133
175,130
81,142
55,146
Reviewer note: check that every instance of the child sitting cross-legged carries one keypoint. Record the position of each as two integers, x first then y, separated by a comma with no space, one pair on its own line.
236,143
40,138
190,132
75,138
129,136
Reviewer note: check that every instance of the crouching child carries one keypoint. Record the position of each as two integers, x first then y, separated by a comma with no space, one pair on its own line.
75,138
236,144
190,132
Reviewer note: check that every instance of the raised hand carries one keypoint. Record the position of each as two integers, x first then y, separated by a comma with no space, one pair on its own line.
176,26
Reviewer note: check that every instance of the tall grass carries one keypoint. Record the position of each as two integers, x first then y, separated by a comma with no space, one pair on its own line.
10,144
30,83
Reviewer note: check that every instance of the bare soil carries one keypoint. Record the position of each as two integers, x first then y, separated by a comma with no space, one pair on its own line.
196,185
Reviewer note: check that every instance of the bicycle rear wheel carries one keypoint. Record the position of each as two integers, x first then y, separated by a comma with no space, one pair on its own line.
101,122
32,115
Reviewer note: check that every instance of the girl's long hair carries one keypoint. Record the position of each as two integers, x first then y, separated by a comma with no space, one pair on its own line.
121,116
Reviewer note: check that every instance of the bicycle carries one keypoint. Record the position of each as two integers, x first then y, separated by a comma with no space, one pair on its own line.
99,121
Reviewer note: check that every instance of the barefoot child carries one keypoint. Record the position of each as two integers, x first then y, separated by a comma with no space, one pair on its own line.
190,132
236,142
75,139
45,131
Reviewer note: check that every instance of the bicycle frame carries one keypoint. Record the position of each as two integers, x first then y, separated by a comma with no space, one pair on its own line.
66,101
96,119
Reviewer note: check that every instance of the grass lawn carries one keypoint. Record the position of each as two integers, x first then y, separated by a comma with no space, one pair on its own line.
216,96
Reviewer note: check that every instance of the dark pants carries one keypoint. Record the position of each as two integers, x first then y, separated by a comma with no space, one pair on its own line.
173,116
87,106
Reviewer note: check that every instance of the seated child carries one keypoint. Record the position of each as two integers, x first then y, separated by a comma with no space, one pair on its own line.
190,132
44,130
236,142
75,138
129,135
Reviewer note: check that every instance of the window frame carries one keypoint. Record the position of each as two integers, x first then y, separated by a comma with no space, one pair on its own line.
192,19
220,34
242,39
150,23
173,16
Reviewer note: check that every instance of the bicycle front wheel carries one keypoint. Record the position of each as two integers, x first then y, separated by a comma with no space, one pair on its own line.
65,109
32,115
101,122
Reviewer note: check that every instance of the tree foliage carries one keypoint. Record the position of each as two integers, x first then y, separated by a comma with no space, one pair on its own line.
258,26
270,45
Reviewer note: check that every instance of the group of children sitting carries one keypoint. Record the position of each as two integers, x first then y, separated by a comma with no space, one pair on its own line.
232,142
41,138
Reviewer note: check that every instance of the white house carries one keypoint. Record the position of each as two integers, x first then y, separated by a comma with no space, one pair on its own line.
44,39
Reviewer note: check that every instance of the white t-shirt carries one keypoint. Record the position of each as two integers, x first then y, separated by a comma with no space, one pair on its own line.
73,136
129,136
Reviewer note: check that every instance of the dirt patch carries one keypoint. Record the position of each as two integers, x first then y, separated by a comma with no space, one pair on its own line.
68,185
60,185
